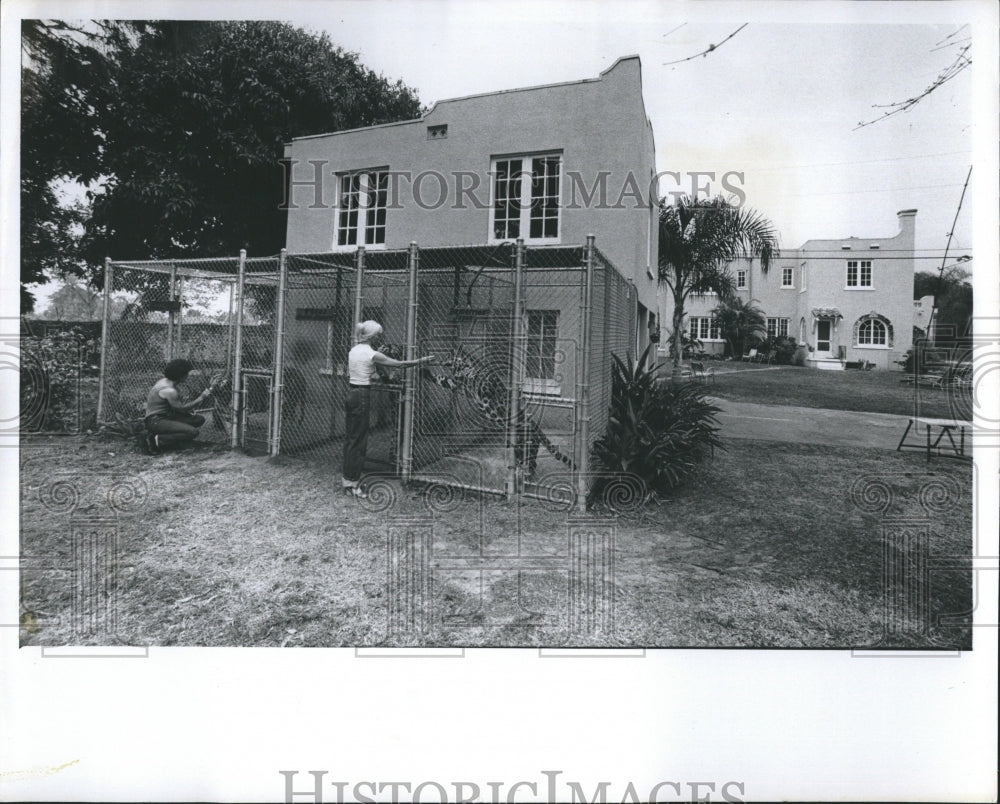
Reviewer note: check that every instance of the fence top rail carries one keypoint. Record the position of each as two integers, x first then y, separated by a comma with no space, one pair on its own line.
488,256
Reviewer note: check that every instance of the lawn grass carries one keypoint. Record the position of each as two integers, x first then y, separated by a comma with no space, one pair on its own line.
867,391
764,548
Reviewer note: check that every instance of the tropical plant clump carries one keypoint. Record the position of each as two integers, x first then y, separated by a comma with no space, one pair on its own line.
657,432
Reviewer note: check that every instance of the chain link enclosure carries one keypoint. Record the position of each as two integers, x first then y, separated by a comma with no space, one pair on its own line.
520,387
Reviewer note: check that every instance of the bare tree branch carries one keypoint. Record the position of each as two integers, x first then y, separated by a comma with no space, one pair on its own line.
961,62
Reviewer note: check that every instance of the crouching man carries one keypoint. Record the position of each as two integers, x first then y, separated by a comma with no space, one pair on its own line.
169,421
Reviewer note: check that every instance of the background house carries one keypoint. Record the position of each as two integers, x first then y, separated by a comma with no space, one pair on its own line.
845,300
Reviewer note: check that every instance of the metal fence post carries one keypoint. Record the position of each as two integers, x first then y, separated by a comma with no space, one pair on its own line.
583,379
179,334
512,486
409,374
359,270
171,315
238,351
105,335
278,367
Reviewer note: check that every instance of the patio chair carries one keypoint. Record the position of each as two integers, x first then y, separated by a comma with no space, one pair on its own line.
750,356
699,372
765,357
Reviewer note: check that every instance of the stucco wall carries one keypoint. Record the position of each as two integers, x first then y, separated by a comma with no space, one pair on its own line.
599,127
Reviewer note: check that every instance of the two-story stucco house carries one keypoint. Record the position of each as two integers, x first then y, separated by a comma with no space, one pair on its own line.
548,164
842,300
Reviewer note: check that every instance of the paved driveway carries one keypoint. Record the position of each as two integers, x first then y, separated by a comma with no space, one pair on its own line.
810,425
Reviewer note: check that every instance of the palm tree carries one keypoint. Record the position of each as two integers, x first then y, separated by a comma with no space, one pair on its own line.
698,240
739,321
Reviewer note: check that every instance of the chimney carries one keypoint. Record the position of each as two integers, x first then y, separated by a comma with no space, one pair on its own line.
907,226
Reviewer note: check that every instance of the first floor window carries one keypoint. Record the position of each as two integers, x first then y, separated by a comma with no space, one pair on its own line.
704,328
543,330
777,327
526,198
859,273
873,330
786,277
361,208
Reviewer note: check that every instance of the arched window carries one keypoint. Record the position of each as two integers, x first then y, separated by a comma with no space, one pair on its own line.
873,330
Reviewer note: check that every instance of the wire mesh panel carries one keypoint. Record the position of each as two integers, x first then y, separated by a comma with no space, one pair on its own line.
613,331
552,311
255,369
465,303
321,304
159,311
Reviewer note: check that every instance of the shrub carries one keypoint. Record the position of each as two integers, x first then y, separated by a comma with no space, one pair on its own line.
656,431
50,382
783,347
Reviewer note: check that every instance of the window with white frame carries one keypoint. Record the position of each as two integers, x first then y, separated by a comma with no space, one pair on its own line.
741,279
802,277
786,277
777,327
704,328
859,273
361,208
873,330
526,198
540,350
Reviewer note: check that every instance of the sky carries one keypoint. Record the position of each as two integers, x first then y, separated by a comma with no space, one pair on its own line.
778,103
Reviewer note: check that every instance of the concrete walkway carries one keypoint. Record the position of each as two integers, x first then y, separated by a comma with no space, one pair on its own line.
843,428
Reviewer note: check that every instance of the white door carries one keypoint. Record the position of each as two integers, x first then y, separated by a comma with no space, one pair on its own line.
822,338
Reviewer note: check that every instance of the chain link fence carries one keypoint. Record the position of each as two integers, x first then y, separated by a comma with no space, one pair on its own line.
158,311
520,387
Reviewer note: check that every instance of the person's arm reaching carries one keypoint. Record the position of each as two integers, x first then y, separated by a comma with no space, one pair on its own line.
174,399
391,362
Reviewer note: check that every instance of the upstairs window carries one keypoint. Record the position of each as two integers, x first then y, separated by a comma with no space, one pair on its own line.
741,279
361,208
786,277
526,198
859,273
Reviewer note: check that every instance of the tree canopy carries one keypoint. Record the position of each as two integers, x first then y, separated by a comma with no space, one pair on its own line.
952,294
179,128
699,238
